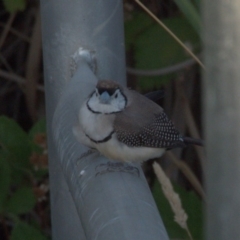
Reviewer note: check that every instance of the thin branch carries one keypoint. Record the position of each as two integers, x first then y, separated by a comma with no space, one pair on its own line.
15,78
5,63
188,173
170,33
6,29
191,124
32,67
17,33
193,128
162,71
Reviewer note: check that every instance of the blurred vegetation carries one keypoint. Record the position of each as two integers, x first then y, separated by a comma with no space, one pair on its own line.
154,48
24,197
23,181
151,47
12,6
192,206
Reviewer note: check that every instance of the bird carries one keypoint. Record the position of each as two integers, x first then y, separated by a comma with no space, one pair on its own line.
126,126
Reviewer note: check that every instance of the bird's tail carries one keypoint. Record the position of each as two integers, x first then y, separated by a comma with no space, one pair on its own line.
189,140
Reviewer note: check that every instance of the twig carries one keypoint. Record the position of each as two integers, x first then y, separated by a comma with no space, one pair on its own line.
32,66
5,63
191,124
6,29
162,71
170,33
193,130
188,173
14,77
17,33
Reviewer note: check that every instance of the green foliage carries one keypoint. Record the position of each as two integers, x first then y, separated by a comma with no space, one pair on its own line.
5,178
14,140
139,23
191,13
16,146
191,204
22,201
18,176
154,48
14,5
27,232
198,4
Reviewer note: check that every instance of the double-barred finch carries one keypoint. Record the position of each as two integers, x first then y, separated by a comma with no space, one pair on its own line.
126,126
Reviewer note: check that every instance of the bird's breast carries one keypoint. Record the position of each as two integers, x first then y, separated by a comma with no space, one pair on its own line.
95,125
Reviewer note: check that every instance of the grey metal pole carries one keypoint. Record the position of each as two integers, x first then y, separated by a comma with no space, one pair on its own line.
222,117
91,197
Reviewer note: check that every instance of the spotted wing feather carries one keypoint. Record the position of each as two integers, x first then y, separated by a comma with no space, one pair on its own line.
144,124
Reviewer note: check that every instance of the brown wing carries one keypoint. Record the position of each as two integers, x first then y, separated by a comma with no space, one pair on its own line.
144,124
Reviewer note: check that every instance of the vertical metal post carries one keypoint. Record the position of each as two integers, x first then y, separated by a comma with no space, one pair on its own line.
222,117
91,198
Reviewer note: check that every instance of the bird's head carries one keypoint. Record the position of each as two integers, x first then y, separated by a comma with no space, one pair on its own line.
108,97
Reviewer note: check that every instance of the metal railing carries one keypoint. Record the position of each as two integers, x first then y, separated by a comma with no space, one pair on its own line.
91,197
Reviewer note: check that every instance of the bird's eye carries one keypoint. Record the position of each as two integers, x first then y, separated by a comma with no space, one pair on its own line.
116,95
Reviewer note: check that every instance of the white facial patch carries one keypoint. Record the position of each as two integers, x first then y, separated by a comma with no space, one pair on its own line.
116,103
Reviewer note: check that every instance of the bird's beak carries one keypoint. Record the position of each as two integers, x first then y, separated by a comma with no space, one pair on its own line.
104,97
